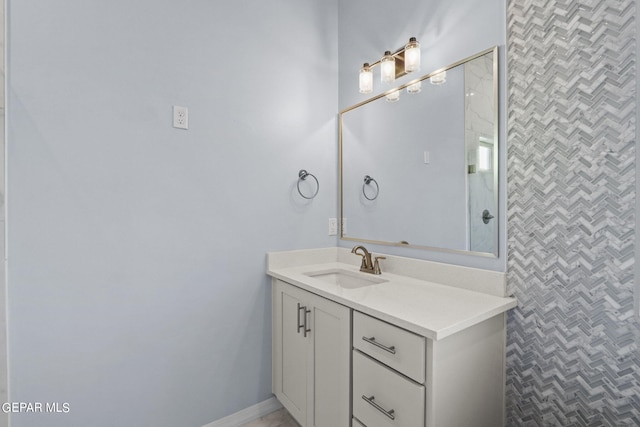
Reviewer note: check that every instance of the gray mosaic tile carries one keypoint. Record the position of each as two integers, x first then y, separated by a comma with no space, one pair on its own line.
572,350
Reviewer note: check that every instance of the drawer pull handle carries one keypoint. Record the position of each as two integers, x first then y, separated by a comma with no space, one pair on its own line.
389,413
373,341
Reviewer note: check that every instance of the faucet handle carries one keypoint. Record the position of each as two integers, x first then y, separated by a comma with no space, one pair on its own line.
376,265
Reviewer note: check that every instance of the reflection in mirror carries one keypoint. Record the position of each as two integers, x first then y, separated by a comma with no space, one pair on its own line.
433,153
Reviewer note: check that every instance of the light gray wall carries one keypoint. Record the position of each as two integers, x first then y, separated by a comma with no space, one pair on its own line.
137,291
447,31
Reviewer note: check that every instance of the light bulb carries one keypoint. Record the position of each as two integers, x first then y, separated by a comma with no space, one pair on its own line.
387,68
366,79
412,56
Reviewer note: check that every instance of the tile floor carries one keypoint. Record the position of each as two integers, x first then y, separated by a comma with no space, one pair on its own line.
279,418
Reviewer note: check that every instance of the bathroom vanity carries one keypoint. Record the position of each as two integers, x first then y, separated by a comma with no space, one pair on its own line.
422,344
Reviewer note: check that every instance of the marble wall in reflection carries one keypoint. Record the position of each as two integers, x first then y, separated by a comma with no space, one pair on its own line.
481,147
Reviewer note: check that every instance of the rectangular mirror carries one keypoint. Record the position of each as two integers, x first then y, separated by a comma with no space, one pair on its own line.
421,171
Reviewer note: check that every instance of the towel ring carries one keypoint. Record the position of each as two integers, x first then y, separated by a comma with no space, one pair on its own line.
367,181
302,175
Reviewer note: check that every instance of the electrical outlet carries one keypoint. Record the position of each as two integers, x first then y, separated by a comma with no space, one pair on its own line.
180,117
333,226
343,226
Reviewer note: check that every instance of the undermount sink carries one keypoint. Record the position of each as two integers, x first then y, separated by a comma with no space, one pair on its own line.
345,278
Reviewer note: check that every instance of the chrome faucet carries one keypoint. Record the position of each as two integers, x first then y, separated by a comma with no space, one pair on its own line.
367,266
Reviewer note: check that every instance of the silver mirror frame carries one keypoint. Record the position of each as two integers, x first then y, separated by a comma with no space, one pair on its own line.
496,176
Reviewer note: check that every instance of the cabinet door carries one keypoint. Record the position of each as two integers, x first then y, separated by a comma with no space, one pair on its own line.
311,357
290,349
331,337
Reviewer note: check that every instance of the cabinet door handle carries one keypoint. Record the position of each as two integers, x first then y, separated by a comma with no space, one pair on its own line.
389,413
373,341
303,324
306,326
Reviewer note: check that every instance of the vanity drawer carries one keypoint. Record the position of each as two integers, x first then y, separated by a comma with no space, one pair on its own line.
383,398
397,348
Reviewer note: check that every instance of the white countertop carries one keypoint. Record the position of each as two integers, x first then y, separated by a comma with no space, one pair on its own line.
430,309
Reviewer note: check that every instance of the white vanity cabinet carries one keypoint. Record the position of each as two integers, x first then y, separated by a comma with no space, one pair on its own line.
311,356
421,349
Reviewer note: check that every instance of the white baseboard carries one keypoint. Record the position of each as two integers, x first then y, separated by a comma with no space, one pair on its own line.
248,414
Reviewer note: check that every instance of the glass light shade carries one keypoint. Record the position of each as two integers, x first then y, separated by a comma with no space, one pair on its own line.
366,79
414,88
438,79
387,68
412,56
393,96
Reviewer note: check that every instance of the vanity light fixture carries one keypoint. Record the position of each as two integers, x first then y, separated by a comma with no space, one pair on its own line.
392,65
412,56
366,79
388,68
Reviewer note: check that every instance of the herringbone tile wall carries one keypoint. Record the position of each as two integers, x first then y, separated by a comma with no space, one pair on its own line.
572,354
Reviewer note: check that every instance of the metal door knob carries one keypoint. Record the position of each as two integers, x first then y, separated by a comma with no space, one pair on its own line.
486,216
